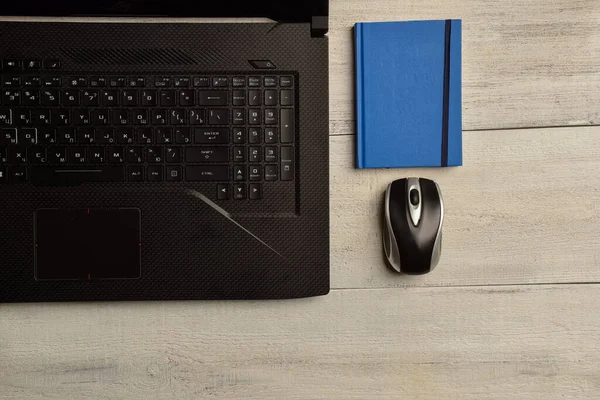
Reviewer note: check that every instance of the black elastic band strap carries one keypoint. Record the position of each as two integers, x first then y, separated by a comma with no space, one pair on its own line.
446,106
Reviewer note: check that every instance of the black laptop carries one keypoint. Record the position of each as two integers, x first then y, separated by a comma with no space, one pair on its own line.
164,161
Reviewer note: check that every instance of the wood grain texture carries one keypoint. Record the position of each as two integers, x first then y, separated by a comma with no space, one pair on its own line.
524,208
532,343
525,63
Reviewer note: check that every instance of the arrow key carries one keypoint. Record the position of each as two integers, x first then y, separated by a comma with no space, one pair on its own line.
239,191
255,191
223,192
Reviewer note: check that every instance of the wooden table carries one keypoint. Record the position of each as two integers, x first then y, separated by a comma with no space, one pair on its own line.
511,312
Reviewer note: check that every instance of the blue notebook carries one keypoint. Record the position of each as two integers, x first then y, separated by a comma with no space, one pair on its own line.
409,110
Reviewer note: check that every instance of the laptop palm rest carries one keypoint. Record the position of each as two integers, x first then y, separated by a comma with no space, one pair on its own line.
87,244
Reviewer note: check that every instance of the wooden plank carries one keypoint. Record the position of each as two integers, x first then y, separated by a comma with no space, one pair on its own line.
525,63
537,342
524,208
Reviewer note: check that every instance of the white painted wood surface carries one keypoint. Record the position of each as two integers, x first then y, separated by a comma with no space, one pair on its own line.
522,211
517,342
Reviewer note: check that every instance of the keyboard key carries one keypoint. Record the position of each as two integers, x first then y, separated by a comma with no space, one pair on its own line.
117,81
212,98
144,135
66,136
183,136
17,155
135,173
270,135
287,125
239,154
182,82
120,117
254,134
159,116
27,136
239,117
17,174
238,81
81,117
206,154
52,81
286,98
286,81
11,97
164,135
254,117
52,64
186,97
270,97
97,81
220,81
155,173
239,191
255,173
218,117
137,82
36,155
197,116
239,97
33,64
135,155
239,135
202,173
270,81
125,136
271,154
86,135
68,176
211,135
154,155
254,81
77,155
70,97
22,117
32,81
173,155
51,97
168,98
162,81
222,191
271,172
57,155
79,81
90,98
149,98
139,116
239,173
201,81
46,136
41,117
11,81
96,155
270,116
11,64
116,155
174,174
110,98
30,97
105,135
287,164
254,97
3,176
129,98
255,154
178,116
255,191
100,117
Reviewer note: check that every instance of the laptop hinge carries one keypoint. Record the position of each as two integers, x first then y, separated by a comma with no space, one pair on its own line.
319,26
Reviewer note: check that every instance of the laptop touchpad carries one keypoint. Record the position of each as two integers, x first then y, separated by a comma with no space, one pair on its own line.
88,244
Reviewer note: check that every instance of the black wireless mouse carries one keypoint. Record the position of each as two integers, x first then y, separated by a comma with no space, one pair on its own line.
414,214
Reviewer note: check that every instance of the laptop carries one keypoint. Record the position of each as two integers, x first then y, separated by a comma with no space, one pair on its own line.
182,160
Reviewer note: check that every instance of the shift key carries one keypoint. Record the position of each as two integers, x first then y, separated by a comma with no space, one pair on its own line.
206,154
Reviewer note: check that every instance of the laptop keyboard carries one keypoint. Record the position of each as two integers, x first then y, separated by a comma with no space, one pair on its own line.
57,129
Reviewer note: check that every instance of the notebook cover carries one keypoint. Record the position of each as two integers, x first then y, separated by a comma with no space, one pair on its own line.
409,110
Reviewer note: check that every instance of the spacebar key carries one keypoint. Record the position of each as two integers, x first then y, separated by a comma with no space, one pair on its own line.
50,176
197,173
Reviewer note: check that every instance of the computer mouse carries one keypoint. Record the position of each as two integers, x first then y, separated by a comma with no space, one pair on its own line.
414,215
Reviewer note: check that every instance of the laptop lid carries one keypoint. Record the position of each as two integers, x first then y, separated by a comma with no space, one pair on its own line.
278,10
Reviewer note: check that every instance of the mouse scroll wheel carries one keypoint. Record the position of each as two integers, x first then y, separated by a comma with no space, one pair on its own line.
414,197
